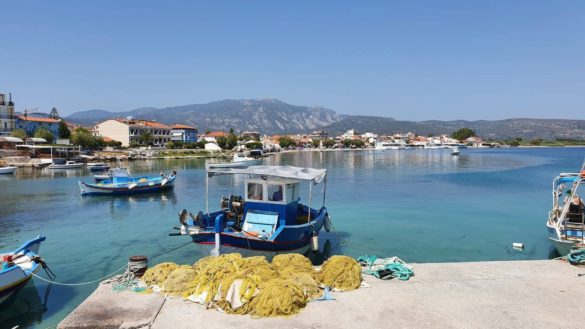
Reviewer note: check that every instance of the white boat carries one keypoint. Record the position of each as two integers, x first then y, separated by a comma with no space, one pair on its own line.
66,165
390,145
18,266
8,170
566,219
455,151
97,166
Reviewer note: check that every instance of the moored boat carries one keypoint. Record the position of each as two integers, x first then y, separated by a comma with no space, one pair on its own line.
120,182
239,160
62,164
269,218
7,170
455,150
566,219
18,266
97,166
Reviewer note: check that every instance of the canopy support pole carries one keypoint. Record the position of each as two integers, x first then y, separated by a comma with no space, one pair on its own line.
310,195
207,193
324,190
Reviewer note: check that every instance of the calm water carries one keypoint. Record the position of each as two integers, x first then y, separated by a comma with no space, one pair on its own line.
424,206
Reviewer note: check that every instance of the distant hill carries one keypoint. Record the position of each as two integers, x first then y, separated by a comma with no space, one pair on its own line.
269,116
548,129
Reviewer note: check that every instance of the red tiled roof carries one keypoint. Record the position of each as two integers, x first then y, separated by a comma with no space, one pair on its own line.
143,123
107,139
178,126
216,134
35,119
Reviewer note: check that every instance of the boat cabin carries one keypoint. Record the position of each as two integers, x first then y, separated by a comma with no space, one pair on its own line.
275,195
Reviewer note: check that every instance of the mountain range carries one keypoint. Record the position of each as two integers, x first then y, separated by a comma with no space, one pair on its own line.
272,116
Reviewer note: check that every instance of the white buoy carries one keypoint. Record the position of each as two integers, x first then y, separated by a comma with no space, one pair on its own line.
315,242
328,225
215,250
131,186
518,245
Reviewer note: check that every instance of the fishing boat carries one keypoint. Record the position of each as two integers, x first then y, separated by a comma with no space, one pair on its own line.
269,218
120,182
7,170
239,160
62,164
566,219
97,166
18,266
455,150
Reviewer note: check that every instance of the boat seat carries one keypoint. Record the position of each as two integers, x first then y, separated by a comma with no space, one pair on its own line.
260,221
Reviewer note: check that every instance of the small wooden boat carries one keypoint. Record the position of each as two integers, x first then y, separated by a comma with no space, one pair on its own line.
18,266
269,218
7,170
120,182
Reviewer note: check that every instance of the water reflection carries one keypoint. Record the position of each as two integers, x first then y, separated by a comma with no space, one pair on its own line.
24,308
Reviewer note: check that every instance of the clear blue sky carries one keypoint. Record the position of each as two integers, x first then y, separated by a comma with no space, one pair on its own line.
412,60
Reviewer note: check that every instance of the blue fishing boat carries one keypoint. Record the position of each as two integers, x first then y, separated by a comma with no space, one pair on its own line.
18,266
566,219
120,182
270,216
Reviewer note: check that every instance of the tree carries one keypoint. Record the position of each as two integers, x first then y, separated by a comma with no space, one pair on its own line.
170,145
221,141
231,141
329,143
146,138
286,142
254,146
42,132
85,139
346,143
536,141
231,130
316,142
463,134
18,133
64,131
54,114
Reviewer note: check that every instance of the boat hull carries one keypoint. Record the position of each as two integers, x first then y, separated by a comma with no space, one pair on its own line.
16,277
7,170
73,166
290,238
125,189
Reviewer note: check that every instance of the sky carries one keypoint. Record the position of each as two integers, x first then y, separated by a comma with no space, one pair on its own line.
409,60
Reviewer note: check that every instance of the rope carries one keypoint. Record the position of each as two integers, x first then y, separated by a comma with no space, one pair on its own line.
576,257
127,278
385,268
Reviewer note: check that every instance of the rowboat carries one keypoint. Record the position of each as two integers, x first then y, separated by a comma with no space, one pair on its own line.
18,266
269,218
121,183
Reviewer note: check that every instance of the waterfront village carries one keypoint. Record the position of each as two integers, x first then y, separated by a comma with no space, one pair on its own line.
29,135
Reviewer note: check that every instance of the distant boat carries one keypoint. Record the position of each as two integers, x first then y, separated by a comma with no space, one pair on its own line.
122,183
455,151
62,164
390,146
18,266
7,170
566,219
239,160
97,166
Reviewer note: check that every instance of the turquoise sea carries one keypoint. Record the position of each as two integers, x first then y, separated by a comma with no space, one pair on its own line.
420,205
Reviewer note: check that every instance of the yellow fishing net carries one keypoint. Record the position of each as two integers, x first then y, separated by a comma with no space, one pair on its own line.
158,274
253,285
341,272
278,297
179,280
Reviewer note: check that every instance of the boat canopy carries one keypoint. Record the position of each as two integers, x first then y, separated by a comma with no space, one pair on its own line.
10,139
307,174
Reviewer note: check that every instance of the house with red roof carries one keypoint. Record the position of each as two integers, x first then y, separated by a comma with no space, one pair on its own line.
183,133
133,131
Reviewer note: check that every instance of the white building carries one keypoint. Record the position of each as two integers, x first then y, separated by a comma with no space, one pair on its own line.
128,131
7,120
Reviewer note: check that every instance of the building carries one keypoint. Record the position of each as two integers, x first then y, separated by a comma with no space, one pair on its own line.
183,133
30,124
130,131
250,135
212,136
7,120
319,135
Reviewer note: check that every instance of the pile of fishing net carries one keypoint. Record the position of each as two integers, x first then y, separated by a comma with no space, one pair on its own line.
252,285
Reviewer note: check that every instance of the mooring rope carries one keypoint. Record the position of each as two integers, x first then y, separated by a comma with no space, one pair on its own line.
127,277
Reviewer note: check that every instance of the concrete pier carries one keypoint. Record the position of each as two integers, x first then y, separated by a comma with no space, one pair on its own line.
514,294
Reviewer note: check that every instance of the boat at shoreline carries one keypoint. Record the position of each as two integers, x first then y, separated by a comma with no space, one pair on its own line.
7,170
62,164
239,160
18,266
566,219
455,151
270,218
120,182
97,166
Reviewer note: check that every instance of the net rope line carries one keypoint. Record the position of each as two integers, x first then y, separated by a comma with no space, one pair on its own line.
126,266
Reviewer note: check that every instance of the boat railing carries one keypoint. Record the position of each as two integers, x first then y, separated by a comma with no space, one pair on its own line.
562,219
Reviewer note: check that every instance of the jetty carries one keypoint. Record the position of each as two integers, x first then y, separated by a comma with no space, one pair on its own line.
498,294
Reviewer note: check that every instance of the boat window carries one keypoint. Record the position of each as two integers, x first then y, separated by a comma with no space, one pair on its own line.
255,191
275,192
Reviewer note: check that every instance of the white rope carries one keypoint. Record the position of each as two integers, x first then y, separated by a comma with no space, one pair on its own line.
82,283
